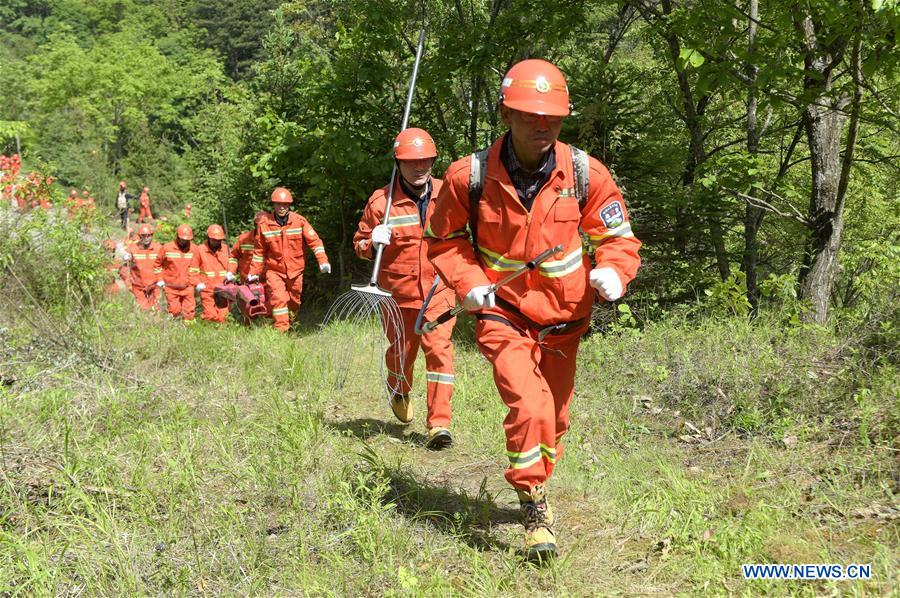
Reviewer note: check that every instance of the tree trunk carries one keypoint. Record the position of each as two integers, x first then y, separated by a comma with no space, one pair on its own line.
752,215
824,119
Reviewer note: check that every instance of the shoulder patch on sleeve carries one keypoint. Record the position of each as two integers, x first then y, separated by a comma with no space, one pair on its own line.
612,215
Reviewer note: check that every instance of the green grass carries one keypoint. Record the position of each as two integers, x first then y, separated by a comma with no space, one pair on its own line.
201,460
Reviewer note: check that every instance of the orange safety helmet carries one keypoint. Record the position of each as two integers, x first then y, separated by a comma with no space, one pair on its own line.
215,232
535,86
145,229
73,193
109,244
282,195
122,184
414,144
184,232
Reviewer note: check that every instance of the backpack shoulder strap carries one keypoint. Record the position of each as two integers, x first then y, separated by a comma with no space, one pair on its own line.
582,170
477,174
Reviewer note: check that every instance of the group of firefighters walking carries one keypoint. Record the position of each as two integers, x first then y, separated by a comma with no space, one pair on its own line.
273,251
493,212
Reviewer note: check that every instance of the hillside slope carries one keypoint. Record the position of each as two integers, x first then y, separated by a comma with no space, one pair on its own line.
157,458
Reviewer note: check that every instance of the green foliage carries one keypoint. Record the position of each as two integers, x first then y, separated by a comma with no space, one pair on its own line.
730,295
47,262
141,91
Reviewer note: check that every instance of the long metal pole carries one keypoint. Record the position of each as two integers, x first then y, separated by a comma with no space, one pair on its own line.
390,197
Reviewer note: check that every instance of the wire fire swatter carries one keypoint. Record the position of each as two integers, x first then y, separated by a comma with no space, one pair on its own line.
369,310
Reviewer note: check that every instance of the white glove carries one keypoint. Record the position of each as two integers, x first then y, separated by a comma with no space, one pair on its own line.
200,286
161,283
252,278
325,268
479,298
607,282
381,234
126,256
229,277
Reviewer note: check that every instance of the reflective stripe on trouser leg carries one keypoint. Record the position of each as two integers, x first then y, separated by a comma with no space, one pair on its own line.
400,357
277,293
438,351
531,423
211,313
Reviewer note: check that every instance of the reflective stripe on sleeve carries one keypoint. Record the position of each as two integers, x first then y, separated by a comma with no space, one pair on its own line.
623,230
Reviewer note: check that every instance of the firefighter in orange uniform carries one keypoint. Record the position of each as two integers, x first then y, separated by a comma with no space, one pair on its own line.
408,275
174,264
280,238
145,206
89,207
117,273
210,268
242,251
533,197
142,256
73,204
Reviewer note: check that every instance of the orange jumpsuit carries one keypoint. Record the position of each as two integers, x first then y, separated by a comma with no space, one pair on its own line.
242,255
117,276
73,206
210,268
408,275
174,267
145,208
535,376
279,251
89,207
144,274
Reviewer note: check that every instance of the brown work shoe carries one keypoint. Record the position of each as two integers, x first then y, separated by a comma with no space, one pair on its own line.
402,407
438,438
537,517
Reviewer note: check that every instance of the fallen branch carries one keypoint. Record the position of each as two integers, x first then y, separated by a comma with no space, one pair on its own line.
762,204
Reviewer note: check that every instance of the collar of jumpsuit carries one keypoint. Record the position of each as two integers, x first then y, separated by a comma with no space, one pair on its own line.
421,201
527,183
282,221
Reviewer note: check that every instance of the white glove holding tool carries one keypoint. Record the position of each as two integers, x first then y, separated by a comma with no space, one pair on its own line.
607,283
381,234
200,286
229,277
251,278
480,297
161,283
